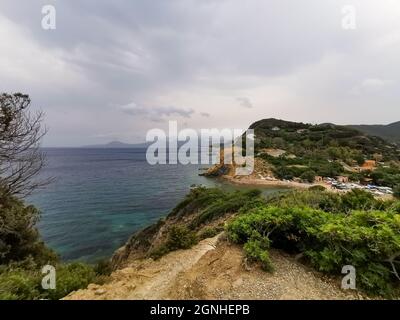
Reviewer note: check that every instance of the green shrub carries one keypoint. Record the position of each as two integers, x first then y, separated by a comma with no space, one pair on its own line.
226,202
103,267
317,188
396,191
71,277
20,284
210,232
19,238
308,176
180,237
257,250
159,251
368,240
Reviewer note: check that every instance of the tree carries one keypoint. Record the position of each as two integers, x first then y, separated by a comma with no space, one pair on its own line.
20,162
19,238
20,136
396,191
308,176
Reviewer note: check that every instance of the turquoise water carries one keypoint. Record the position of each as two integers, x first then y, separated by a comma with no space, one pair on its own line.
102,196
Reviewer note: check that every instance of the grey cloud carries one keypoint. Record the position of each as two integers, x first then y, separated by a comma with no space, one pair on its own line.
154,52
244,102
156,113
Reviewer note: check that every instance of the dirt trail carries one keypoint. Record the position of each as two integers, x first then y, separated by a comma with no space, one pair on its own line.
214,269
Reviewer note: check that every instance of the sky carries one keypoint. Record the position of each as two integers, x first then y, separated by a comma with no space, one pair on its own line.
112,70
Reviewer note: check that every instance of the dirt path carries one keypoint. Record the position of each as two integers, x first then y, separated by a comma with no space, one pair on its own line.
148,279
214,269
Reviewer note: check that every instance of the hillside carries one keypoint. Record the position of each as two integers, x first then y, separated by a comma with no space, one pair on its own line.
214,269
306,139
240,245
390,132
290,150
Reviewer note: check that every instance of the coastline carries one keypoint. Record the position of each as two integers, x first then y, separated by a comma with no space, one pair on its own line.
272,183
251,181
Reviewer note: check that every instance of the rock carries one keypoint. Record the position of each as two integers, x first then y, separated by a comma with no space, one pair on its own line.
100,292
93,286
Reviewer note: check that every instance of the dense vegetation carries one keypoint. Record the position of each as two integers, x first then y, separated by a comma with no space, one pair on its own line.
201,207
325,150
330,231
326,141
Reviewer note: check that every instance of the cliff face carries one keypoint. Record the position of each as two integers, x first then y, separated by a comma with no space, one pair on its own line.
183,227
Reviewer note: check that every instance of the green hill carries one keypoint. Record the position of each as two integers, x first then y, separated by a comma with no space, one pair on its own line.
327,150
390,132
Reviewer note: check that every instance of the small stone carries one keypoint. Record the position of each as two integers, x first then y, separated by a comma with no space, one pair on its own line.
100,292
93,286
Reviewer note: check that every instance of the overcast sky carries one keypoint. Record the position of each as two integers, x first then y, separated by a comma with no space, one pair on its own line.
114,69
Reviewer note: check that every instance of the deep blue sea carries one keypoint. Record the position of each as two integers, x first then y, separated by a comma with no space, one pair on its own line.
100,197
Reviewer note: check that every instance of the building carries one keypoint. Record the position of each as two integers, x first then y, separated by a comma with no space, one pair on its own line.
369,165
318,179
342,179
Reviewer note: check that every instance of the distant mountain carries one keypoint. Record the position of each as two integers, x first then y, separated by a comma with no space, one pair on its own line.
117,145
122,145
390,132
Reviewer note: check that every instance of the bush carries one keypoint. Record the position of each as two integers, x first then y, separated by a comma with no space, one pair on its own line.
180,237
308,176
71,277
257,250
396,191
17,283
103,267
20,285
19,238
226,202
368,240
210,232
317,188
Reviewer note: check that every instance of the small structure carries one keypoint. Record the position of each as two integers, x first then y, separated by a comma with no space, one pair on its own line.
318,179
342,179
276,129
369,165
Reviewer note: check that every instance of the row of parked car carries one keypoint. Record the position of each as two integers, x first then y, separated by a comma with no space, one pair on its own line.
376,190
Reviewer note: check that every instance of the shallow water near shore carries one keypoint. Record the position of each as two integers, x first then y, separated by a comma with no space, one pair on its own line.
100,197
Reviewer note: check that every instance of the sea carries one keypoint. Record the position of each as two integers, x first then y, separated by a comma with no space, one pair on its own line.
100,197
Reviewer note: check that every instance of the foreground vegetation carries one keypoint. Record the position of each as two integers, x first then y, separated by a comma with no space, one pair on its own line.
23,254
329,231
